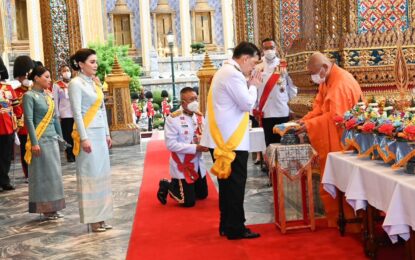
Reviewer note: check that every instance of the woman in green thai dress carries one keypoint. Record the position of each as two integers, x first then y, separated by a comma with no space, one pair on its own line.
42,149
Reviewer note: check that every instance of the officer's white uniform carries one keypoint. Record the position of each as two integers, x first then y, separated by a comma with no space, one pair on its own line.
179,131
284,91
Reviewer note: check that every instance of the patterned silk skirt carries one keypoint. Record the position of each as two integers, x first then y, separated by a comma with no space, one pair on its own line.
94,179
45,178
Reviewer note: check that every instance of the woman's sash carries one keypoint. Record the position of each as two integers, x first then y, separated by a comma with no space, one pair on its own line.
40,129
88,117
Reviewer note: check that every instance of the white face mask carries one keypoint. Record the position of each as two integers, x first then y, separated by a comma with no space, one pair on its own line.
27,83
317,79
270,54
66,75
193,106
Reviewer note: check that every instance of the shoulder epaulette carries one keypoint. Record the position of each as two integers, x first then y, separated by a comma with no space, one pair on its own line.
176,113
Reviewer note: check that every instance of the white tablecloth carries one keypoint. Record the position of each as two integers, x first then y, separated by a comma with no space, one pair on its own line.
403,218
257,140
366,181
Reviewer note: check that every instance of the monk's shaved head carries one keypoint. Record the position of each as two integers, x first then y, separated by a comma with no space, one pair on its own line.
317,61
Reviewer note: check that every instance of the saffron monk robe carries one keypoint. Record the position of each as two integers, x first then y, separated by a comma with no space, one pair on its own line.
338,92
182,132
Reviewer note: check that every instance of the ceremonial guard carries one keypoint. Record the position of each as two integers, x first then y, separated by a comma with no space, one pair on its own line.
21,68
137,110
165,107
183,130
9,109
273,95
150,113
63,109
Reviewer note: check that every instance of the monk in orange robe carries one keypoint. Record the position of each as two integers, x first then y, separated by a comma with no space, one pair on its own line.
338,92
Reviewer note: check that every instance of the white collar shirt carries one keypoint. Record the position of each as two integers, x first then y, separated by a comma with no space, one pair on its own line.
231,100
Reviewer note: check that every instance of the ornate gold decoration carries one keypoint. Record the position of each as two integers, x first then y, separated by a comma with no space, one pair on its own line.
116,67
265,9
119,93
205,75
401,73
276,24
74,30
47,36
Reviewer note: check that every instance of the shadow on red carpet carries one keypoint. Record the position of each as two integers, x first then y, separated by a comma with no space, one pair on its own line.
173,232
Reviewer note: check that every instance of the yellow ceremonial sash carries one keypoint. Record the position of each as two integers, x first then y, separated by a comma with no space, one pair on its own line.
224,152
88,117
40,129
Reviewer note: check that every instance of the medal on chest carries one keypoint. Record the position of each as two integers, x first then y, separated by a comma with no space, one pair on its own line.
183,122
281,85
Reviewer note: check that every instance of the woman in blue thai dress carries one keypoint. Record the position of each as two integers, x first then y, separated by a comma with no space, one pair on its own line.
91,142
42,149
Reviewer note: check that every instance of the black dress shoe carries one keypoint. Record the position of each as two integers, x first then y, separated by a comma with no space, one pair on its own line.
222,233
7,187
163,191
247,234
71,159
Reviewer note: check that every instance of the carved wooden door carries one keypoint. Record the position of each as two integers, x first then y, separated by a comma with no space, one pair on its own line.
203,27
164,25
21,20
122,29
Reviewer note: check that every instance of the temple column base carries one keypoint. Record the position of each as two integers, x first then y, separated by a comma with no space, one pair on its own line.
125,137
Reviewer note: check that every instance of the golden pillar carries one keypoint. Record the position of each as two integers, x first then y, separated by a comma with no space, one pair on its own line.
205,75
123,129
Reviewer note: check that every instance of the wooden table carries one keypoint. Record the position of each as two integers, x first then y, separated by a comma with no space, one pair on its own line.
373,186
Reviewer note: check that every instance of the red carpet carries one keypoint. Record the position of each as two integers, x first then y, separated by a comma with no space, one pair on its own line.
172,232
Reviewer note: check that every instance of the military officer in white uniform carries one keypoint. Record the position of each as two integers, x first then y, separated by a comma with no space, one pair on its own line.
274,109
182,130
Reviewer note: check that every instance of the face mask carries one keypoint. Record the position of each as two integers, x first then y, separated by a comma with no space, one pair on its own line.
193,106
317,79
66,75
27,83
269,54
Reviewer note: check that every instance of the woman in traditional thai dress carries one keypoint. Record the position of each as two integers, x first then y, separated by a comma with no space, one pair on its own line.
42,148
91,142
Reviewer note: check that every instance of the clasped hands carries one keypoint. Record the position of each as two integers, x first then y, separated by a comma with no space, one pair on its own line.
255,79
